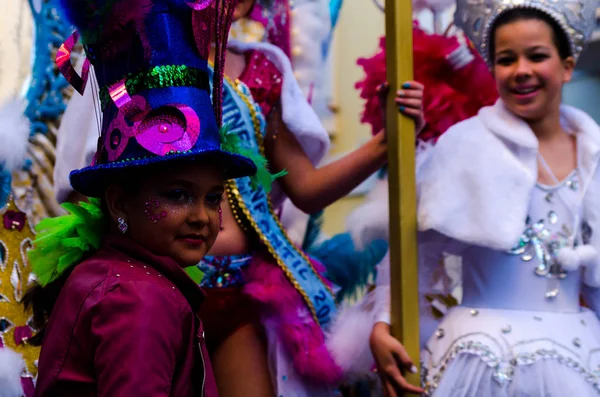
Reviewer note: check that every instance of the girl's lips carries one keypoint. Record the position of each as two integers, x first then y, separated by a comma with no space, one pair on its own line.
193,239
525,93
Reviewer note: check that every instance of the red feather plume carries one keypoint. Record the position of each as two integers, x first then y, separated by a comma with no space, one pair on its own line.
450,95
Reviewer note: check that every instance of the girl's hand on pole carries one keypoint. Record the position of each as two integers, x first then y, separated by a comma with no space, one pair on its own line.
409,100
392,361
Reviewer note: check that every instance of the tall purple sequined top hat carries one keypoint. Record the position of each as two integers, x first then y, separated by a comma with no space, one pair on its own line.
154,86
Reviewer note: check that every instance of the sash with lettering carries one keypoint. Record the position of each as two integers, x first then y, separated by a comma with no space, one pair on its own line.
295,264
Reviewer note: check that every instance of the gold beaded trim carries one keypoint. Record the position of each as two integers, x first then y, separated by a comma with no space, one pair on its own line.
235,192
234,205
267,243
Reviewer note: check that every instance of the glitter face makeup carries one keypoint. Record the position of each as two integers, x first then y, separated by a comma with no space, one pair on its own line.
152,205
220,217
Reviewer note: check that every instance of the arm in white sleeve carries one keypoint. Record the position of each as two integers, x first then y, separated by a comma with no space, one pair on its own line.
77,137
591,296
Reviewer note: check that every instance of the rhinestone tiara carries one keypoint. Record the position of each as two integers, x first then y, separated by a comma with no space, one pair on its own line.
577,18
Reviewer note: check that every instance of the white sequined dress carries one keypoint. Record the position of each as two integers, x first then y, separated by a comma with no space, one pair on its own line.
520,329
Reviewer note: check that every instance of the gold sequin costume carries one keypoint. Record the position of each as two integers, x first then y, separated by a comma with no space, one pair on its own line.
16,236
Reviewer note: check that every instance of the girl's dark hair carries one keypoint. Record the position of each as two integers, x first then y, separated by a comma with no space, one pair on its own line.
559,37
41,301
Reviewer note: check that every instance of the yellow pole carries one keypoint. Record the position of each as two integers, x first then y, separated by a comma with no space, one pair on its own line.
402,189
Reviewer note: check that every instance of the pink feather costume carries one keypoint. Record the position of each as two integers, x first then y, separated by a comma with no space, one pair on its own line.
454,90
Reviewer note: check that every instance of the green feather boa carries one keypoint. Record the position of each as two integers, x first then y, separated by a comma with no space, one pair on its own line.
62,242
232,143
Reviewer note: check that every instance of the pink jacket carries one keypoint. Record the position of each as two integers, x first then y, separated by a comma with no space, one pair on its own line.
126,324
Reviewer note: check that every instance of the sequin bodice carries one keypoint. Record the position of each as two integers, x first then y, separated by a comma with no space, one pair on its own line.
263,79
528,277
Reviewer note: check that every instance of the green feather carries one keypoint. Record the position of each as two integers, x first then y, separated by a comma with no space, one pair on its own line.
195,274
232,143
63,241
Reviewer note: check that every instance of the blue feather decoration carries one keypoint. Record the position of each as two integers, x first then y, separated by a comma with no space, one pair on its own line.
347,268
335,6
313,230
5,185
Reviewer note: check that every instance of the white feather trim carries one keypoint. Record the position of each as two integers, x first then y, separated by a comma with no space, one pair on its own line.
370,221
588,255
486,166
14,134
311,27
569,259
348,340
11,367
299,117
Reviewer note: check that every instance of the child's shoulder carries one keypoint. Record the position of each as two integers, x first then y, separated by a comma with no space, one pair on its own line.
107,295
466,137
464,128
101,275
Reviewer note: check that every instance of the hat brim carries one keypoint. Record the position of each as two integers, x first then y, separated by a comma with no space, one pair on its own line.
93,180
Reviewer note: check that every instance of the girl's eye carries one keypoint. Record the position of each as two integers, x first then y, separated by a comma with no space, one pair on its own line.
538,57
214,198
177,195
504,61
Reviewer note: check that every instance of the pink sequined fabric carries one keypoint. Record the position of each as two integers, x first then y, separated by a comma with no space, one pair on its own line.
63,61
263,79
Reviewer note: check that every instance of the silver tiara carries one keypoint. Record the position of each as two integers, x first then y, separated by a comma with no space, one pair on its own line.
577,18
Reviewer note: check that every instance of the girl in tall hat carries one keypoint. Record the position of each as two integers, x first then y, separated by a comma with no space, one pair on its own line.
118,301
513,192
268,304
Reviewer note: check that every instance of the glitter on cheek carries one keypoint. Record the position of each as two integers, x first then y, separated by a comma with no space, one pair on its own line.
151,212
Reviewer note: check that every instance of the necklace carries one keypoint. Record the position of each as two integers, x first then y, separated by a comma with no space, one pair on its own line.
556,182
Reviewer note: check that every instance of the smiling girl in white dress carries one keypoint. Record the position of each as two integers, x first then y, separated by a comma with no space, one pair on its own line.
515,193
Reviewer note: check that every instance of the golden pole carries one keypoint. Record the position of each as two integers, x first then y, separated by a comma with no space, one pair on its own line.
402,189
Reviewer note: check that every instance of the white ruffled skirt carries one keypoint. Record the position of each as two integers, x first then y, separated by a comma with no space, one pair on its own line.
513,353
287,382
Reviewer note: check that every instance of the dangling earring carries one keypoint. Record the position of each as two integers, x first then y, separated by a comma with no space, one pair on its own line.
123,226
220,217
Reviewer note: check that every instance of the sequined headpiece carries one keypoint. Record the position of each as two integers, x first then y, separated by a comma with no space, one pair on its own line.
577,18
150,60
